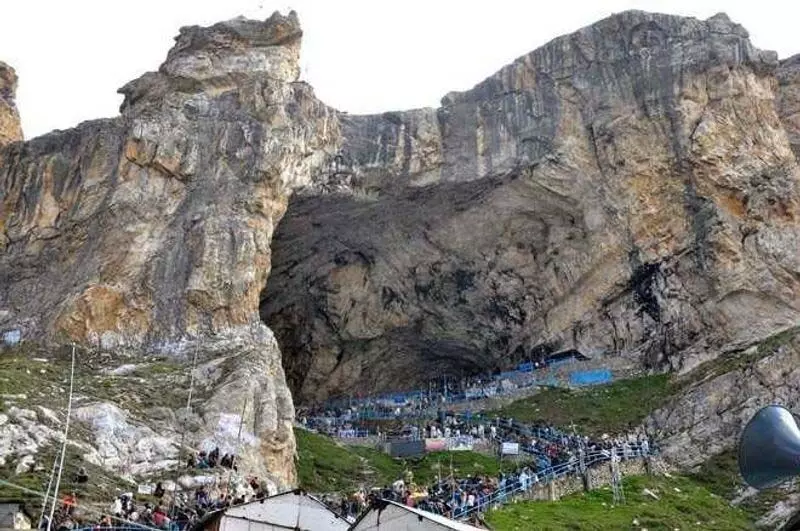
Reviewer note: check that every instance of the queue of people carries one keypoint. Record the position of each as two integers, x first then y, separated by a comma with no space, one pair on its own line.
165,508
335,413
548,453
205,460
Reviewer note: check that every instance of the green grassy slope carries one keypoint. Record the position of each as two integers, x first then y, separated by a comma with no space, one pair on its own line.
607,408
625,403
325,466
101,487
683,504
42,375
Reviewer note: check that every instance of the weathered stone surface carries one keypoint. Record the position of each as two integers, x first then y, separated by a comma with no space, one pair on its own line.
150,232
10,127
710,414
789,99
715,403
123,446
626,190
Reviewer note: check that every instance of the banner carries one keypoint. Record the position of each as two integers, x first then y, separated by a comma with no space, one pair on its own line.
509,448
460,444
435,445
451,444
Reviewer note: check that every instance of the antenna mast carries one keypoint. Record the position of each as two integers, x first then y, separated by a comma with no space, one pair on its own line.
64,445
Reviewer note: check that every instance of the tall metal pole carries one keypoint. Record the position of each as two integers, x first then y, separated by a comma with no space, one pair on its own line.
191,382
241,423
63,446
183,430
238,444
47,493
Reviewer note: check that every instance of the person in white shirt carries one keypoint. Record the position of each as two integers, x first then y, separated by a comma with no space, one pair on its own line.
471,500
116,507
523,479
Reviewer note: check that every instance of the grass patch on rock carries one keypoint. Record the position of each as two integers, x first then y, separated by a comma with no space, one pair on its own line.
99,491
41,374
720,475
741,359
610,408
682,503
325,466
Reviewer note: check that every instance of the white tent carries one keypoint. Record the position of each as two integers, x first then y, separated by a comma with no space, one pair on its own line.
288,510
395,517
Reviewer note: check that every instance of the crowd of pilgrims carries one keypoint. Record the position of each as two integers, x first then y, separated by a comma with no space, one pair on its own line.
453,498
168,510
547,452
333,416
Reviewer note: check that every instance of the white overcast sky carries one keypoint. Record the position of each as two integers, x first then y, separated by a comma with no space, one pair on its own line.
361,56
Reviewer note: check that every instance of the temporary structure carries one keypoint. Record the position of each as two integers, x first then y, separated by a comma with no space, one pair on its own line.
293,510
391,516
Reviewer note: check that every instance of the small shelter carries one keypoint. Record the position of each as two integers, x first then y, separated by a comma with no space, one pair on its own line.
293,510
565,356
390,516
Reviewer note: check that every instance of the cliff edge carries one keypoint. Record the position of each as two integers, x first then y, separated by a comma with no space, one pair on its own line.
150,233
10,127
625,190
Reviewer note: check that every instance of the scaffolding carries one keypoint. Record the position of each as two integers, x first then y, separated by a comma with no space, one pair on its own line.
616,480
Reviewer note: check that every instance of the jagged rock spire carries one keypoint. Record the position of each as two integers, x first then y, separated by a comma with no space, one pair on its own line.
10,128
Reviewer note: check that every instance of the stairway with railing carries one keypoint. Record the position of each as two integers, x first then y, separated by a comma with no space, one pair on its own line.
520,485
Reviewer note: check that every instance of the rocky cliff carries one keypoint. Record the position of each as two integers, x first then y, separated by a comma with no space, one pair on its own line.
629,190
789,99
626,190
10,128
150,232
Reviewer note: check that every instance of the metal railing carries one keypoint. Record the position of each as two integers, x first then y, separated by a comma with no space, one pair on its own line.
548,475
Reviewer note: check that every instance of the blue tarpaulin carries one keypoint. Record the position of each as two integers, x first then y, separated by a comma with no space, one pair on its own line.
595,377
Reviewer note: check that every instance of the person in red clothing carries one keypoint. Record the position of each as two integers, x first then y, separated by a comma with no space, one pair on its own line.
160,517
70,502
409,499
105,523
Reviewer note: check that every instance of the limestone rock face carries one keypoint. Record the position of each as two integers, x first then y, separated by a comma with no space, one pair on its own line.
626,190
789,99
10,128
708,416
151,231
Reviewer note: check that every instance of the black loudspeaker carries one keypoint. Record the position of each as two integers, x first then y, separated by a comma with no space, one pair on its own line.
769,449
